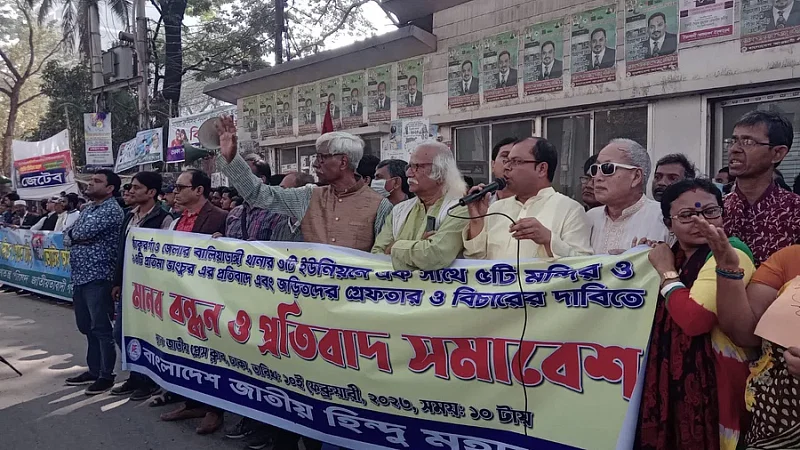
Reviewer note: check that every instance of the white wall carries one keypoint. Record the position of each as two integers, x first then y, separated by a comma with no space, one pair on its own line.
677,126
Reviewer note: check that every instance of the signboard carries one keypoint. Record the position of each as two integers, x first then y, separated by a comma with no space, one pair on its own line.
306,108
331,91
410,88
379,94
97,139
36,261
145,148
544,57
184,129
353,100
463,82
306,337
594,44
769,23
266,115
499,66
49,159
705,19
283,108
651,36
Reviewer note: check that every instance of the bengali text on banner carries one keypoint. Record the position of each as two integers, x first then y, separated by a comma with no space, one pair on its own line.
335,345
35,261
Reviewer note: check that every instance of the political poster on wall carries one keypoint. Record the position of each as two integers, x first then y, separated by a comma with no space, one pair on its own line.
306,108
353,89
463,85
47,167
543,49
651,36
249,119
145,148
499,66
284,112
705,19
379,94
410,88
266,115
769,23
404,137
330,93
593,46
97,138
183,130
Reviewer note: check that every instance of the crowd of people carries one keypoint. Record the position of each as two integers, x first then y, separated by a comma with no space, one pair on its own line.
724,249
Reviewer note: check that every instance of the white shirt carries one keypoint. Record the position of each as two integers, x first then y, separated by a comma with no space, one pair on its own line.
411,98
466,84
504,77
643,219
598,57
66,219
547,68
786,11
660,43
563,216
40,223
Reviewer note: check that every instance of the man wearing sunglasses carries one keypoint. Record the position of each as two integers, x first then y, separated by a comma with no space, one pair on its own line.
620,179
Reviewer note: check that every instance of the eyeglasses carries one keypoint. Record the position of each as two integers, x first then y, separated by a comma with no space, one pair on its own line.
417,167
743,142
714,212
180,187
326,156
514,162
608,168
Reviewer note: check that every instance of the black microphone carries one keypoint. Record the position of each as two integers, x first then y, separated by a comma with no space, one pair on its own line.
498,185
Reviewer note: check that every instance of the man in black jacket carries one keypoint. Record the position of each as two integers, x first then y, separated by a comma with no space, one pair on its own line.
144,213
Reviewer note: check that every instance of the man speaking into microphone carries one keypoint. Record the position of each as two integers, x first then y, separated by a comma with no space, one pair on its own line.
548,224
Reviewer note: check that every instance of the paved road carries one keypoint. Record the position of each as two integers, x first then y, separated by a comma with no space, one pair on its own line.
37,411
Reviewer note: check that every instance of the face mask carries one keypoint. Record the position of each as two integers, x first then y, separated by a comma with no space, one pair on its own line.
379,186
720,186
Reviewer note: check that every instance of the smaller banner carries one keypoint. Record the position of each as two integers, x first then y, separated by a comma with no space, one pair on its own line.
409,88
594,43
379,90
544,57
353,100
53,170
306,98
145,148
97,138
405,136
184,129
283,108
463,85
769,23
330,92
651,39
249,121
499,72
705,19
36,261
266,115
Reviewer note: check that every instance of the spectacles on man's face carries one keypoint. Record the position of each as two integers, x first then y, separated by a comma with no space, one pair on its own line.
714,212
744,142
515,162
322,157
417,166
608,168
180,187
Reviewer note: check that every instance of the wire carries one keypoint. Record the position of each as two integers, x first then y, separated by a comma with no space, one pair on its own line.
521,298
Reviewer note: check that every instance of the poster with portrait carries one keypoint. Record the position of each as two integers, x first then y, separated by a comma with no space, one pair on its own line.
463,85
409,88
379,94
97,140
353,100
266,115
499,64
769,23
307,109
705,19
543,49
249,119
330,92
593,46
651,36
284,112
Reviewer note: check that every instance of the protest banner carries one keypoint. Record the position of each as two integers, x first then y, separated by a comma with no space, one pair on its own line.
36,261
331,91
651,37
97,140
145,148
283,108
410,88
333,344
379,94
543,68
499,66
266,115
463,85
769,23
705,19
594,46
184,130
43,169
353,89
306,99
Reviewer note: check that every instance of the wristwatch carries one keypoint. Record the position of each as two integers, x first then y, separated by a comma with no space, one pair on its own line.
670,275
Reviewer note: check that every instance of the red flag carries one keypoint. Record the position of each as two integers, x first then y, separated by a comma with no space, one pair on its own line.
327,124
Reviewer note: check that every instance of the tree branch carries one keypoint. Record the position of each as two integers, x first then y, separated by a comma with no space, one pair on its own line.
5,91
32,97
10,65
31,47
335,28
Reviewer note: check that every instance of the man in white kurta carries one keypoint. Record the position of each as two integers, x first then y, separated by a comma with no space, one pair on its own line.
627,215
549,224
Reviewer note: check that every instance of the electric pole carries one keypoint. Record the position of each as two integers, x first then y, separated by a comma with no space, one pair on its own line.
95,52
142,55
279,21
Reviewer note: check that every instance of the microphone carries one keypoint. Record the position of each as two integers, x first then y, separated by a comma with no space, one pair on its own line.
498,185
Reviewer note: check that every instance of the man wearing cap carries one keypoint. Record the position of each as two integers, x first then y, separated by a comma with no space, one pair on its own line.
22,217
346,212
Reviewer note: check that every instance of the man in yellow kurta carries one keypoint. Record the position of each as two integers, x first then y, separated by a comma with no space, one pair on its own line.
419,234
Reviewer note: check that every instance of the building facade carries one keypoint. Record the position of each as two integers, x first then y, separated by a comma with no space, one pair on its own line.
672,75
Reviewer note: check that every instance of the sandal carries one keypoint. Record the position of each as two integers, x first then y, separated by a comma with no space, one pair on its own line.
164,398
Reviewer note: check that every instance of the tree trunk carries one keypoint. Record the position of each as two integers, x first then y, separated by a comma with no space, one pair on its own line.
6,157
173,11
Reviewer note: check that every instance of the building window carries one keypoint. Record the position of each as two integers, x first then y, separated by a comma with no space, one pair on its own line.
472,152
372,145
287,159
571,135
307,155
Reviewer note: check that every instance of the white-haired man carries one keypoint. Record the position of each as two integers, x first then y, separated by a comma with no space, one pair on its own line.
628,216
419,234
346,212
548,224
